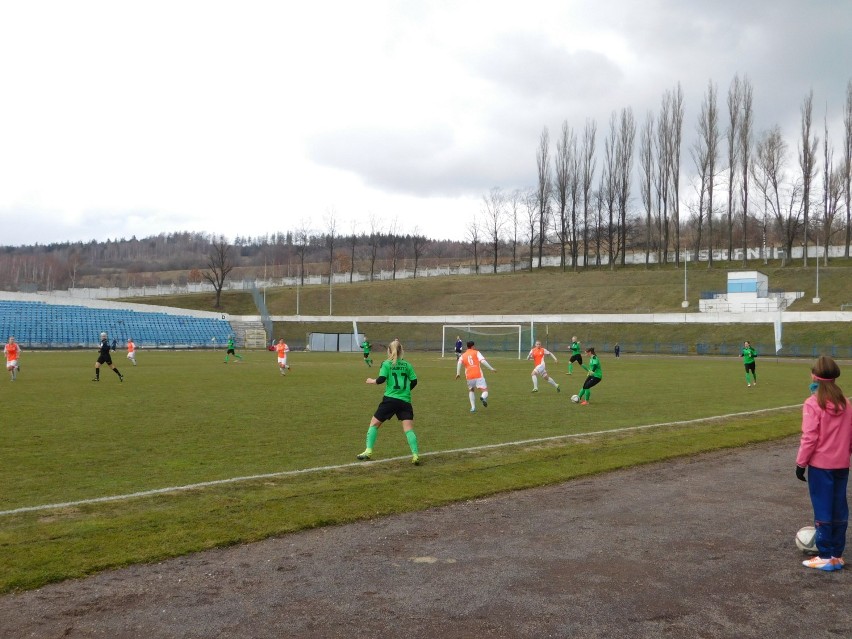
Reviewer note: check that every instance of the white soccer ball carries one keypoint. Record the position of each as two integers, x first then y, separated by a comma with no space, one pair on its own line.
575,399
806,540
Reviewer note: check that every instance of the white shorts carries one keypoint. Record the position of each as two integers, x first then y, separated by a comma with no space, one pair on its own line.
478,382
540,370
11,363
131,355
282,361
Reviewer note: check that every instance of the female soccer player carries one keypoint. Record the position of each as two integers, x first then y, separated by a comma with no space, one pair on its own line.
575,355
537,355
12,352
131,350
367,347
748,354
473,360
232,344
594,377
824,451
401,379
282,349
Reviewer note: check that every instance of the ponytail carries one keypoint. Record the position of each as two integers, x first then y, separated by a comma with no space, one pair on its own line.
395,351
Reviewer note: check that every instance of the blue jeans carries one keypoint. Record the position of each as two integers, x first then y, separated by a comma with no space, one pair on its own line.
831,510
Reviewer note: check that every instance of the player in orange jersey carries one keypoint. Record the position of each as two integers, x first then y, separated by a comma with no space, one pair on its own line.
131,350
282,349
537,355
473,360
12,352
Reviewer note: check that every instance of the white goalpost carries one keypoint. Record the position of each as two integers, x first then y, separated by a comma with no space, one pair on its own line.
510,334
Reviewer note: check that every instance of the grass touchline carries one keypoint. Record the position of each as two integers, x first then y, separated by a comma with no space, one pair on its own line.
318,469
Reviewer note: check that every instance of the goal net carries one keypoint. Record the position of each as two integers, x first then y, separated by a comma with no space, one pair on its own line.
507,338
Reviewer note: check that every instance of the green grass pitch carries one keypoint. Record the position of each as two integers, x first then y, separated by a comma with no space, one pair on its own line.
183,418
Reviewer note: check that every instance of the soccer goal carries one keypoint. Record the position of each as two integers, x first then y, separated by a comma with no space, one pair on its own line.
488,337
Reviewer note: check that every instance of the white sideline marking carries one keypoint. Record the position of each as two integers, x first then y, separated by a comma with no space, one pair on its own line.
318,469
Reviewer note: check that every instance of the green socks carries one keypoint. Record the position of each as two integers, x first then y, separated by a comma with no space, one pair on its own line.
372,435
412,441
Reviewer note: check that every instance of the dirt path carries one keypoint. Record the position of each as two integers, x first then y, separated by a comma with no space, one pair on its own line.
699,547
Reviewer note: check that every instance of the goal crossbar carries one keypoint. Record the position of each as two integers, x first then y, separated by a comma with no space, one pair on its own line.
477,329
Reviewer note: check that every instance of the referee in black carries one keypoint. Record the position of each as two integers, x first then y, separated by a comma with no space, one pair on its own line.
104,358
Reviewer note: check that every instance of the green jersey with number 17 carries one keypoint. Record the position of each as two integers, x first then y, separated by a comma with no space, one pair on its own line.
398,378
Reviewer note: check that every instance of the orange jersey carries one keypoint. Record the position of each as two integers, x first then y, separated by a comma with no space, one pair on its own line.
282,350
538,355
131,347
470,360
11,351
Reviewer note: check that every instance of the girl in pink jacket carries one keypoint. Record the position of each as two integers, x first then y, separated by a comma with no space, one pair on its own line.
824,450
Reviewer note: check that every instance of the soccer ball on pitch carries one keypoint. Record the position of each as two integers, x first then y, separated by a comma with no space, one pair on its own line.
575,398
806,540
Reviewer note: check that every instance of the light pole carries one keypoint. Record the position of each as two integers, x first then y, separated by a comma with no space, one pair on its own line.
685,302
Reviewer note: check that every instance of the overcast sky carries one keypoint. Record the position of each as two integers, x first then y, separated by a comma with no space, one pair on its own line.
244,118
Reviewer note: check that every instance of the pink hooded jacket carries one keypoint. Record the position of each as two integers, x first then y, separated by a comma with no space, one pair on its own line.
826,436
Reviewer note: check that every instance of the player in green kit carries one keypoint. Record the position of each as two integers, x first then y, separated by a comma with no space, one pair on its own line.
367,347
231,351
575,355
400,378
748,354
595,376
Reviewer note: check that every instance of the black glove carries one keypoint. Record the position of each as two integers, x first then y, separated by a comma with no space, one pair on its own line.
800,472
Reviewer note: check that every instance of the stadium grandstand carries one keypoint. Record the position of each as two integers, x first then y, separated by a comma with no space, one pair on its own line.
39,324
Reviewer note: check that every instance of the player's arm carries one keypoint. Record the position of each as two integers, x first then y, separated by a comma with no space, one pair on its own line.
553,356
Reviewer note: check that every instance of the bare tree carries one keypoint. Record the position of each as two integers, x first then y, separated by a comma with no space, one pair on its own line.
807,162
302,238
609,188
513,201
75,261
675,137
419,245
662,175
545,186
330,239
589,162
733,134
493,214
396,247
745,143
646,182
474,238
531,208
624,165
832,193
219,265
375,241
353,245
782,200
847,164
565,148
705,151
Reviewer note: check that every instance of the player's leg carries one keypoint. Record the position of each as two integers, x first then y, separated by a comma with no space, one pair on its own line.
471,396
115,370
754,374
97,376
550,381
821,489
372,435
405,413
840,512
411,437
535,381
